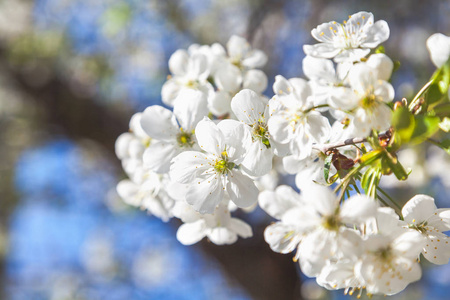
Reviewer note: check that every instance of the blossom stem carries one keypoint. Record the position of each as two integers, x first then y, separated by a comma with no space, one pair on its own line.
315,107
356,188
389,197
417,96
383,201
346,180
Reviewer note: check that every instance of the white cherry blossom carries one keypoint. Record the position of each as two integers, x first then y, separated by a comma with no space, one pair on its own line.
219,227
349,41
237,71
173,132
369,98
422,215
148,195
327,236
439,47
253,111
282,236
189,71
293,121
389,262
213,173
130,147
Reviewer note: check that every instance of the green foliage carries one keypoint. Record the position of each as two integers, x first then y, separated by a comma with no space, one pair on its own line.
326,170
413,129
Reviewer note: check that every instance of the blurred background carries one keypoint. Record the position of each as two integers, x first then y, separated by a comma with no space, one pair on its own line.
72,72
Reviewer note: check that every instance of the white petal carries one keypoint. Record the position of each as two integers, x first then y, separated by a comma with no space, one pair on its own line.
383,64
191,233
321,50
281,86
315,249
222,236
437,249
185,212
319,127
319,68
135,126
220,103
258,160
127,190
279,128
418,209
281,238
159,123
122,144
237,138
254,59
302,90
178,62
190,107
377,34
409,244
169,91
197,67
385,91
205,195
255,80
439,47
342,98
228,78
209,137
188,165
241,228
237,47
241,189
358,209
247,106
321,198
279,202
351,55
158,155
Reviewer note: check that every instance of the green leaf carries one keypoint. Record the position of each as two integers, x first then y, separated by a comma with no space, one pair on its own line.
424,128
326,170
444,79
433,94
445,144
395,166
370,180
442,110
370,157
404,123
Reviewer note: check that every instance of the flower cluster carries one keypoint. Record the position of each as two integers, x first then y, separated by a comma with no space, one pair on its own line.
223,144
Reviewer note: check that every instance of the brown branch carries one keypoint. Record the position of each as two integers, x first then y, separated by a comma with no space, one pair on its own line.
324,148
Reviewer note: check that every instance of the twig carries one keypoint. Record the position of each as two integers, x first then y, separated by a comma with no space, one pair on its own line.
327,147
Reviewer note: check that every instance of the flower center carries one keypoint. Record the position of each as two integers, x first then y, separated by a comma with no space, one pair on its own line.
369,101
185,139
237,62
222,166
421,227
384,254
192,84
331,223
260,132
